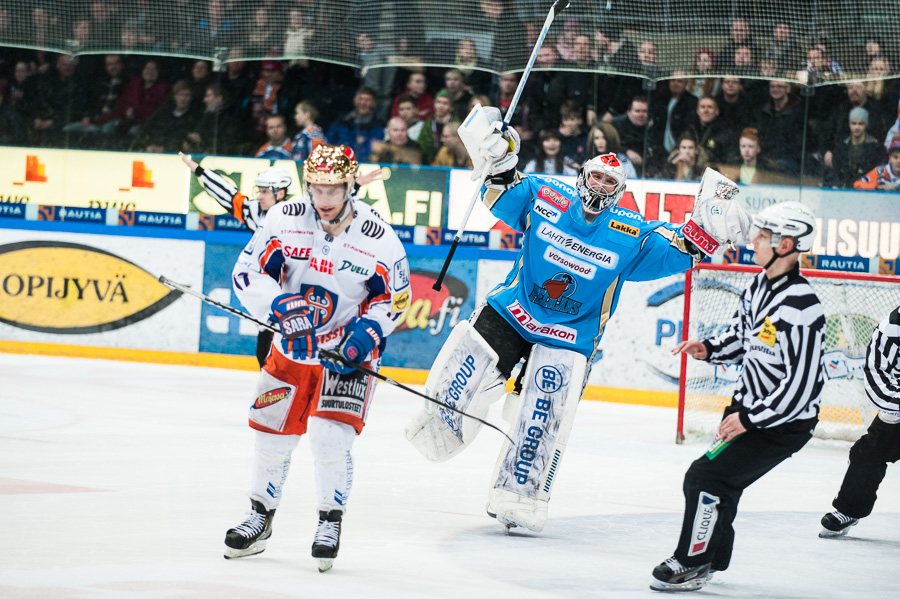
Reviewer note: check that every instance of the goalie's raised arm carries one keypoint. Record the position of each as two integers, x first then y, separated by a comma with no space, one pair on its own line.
717,220
492,146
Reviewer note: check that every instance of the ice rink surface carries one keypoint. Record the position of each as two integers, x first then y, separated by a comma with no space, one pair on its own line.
120,479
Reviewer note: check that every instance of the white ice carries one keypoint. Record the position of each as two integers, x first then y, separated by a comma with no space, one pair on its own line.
119,480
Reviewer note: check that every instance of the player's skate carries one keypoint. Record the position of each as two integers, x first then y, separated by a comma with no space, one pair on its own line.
836,524
671,576
249,537
328,539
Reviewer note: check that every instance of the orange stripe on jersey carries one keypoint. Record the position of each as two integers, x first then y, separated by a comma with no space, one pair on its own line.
273,246
237,206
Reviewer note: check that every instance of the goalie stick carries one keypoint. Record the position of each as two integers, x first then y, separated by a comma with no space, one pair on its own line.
328,354
558,7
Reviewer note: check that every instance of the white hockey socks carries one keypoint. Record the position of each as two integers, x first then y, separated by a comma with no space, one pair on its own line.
330,443
271,462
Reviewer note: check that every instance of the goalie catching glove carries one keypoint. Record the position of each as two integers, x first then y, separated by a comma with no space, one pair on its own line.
489,145
717,219
361,337
298,336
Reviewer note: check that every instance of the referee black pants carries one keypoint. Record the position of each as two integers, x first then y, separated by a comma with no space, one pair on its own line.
869,458
713,488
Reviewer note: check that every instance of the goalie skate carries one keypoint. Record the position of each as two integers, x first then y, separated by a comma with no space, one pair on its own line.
250,536
836,524
328,539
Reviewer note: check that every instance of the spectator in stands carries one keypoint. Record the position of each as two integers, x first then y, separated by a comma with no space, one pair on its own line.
855,155
507,34
199,78
12,127
581,84
373,54
214,29
471,66
603,139
885,177
857,97
399,149
783,48
712,133
744,61
104,24
780,125
549,158
61,98
103,95
170,124
455,84
22,89
565,43
871,50
830,63
612,51
754,167
735,108
265,99
142,97
704,83
416,87
671,114
359,129
310,134
884,92
406,110
237,82
430,136
686,162
218,130
571,132
263,37
740,37
296,38
632,130
506,89
543,113
453,153
278,144
629,87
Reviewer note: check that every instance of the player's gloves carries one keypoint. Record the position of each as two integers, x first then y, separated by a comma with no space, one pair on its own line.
489,146
717,220
360,338
291,312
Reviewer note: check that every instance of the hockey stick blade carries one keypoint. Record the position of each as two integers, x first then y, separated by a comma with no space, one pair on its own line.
323,352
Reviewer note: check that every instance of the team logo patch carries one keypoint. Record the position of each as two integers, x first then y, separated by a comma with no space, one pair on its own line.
554,197
556,294
623,228
401,302
345,393
767,334
548,379
573,245
535,327
322,303
547,212
570,263
704,523
271,397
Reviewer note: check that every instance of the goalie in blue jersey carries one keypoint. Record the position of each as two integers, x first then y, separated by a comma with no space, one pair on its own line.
578,250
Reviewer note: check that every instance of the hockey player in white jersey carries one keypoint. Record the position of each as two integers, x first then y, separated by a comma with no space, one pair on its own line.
578,250
334,276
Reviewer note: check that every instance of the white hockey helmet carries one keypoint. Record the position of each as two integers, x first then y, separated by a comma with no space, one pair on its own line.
601,184
787,219
273,178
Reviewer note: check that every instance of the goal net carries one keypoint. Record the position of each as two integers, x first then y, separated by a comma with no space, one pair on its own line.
854,304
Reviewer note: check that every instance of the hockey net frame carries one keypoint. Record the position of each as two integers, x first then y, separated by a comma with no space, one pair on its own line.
845,430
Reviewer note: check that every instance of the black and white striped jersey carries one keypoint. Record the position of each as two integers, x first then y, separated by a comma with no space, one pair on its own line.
777,334
883,365
227,195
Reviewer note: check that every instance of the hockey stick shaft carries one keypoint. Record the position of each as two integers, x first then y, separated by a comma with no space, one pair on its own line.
324,352
558,7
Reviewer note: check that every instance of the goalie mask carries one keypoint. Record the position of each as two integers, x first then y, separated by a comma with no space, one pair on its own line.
787,219
600,185
331,165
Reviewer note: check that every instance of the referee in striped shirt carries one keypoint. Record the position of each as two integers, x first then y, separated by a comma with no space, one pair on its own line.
777,335
870,455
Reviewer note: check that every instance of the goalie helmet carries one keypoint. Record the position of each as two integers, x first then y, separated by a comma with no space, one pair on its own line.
601,184
787,219
330,165
273,178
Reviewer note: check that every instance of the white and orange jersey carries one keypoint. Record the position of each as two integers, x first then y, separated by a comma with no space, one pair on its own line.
363,272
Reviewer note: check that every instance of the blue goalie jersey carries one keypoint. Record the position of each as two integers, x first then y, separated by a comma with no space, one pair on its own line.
566,281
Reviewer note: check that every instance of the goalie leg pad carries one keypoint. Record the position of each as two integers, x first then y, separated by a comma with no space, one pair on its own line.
271,463
464,377
525,469
330,443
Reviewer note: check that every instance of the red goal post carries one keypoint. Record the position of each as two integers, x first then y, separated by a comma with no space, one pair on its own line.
854,304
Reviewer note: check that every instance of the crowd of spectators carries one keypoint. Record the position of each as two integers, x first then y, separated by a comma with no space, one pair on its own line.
739,109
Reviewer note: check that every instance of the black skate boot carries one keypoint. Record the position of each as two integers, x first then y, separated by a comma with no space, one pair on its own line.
249,537
672,576
836,524
328,539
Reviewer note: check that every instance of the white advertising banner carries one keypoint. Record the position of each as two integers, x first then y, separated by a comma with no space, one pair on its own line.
99,290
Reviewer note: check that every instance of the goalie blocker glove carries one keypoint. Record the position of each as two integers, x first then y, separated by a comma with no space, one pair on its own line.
362,336
717,220
291,312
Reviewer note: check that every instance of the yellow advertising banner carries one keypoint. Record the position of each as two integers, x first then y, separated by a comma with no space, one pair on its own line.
86,179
